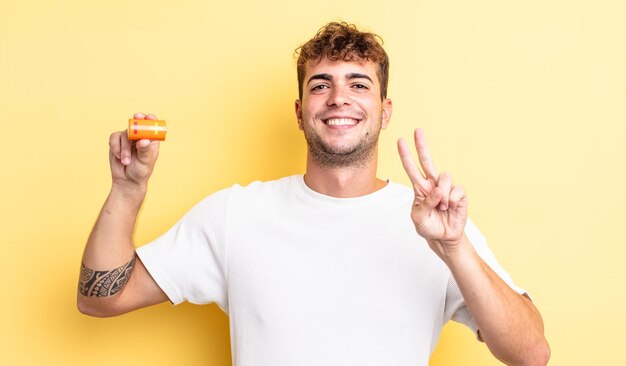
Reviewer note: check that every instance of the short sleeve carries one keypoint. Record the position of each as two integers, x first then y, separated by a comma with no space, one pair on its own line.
455,307
188,262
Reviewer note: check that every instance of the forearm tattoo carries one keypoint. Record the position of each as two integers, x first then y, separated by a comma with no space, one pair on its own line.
104,283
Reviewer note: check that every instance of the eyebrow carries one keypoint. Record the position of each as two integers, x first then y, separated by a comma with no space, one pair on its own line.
356,75
353,75
320,77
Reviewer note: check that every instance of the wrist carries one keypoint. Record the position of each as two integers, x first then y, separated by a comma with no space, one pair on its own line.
452,252
128,192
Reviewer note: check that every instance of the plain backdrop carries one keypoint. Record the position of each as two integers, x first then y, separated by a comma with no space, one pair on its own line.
524,103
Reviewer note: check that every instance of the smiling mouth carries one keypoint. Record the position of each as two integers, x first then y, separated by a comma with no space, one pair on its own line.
341,121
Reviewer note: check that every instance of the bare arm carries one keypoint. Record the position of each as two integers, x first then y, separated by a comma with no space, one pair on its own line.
112,279
509,323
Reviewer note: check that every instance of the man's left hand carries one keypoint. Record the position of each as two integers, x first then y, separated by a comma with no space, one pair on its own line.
439,210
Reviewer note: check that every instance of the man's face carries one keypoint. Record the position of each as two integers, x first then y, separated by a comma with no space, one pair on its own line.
341,112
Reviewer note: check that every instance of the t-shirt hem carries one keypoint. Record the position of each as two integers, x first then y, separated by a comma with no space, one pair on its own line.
158,275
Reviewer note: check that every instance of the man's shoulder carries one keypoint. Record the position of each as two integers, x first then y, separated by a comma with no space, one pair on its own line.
258,188
275,186
400,188
248,194
273,183
401,191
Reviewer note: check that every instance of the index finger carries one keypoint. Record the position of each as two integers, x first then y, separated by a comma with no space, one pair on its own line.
423,154
409,164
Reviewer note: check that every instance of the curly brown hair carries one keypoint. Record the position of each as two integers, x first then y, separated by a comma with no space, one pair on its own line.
343,41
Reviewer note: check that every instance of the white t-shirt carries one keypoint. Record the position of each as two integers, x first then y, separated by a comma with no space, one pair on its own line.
308,279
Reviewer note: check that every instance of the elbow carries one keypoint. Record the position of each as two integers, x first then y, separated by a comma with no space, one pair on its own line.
543,353
540,355
535,354
87,307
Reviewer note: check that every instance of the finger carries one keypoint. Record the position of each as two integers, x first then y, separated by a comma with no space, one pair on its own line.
415,175
126,148
424,155
430,203
445,184
456,196
115,145
151,116
139,115
147,151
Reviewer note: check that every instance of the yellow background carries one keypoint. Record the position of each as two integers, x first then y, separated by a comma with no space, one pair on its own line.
523,102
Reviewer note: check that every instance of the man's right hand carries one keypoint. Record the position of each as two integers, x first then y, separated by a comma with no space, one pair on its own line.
132,162
110,246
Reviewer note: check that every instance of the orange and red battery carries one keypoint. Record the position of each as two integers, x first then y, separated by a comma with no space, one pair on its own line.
150,129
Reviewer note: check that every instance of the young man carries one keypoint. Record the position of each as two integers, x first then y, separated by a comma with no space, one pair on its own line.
335,267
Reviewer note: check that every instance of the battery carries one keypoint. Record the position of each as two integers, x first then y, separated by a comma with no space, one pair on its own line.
150,129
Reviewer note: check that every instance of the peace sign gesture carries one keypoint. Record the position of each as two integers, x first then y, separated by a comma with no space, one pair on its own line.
440,208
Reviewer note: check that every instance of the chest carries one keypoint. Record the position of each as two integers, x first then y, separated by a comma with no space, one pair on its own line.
339,266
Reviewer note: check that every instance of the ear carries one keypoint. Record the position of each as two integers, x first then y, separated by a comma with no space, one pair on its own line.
386,113
298,106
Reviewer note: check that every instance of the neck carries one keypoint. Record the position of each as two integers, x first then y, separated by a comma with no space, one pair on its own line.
343,182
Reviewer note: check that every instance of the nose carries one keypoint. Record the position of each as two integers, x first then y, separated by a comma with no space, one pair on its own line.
338,97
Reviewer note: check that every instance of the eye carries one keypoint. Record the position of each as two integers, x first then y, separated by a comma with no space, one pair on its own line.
360,86
319,87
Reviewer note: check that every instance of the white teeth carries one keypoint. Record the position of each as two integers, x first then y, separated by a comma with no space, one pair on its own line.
341,122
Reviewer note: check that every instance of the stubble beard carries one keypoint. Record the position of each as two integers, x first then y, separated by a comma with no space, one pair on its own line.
328,156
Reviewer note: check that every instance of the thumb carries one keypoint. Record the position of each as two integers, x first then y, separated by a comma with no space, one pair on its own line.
147,151
430,203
